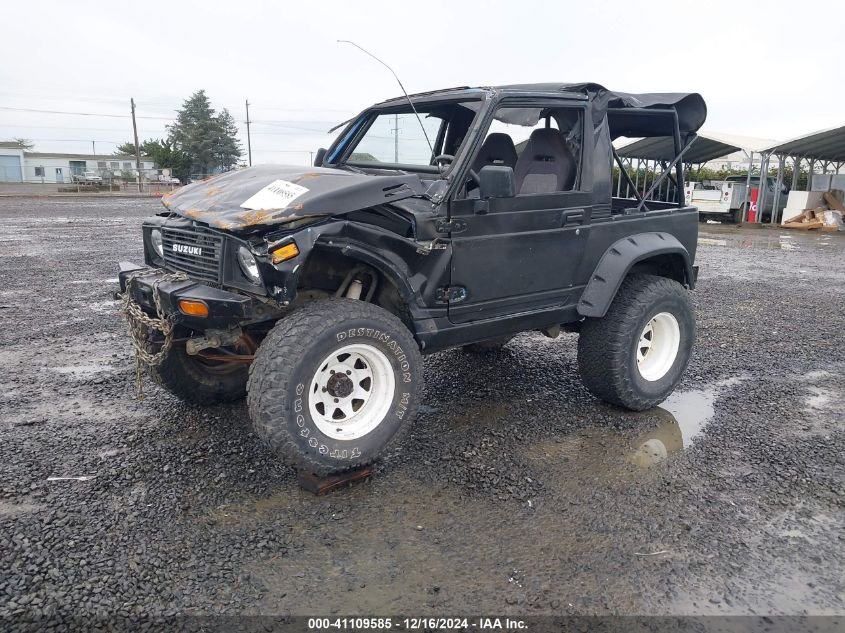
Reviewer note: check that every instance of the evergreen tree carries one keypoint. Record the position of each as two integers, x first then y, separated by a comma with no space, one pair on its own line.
207,139
125,149
228,148
164,155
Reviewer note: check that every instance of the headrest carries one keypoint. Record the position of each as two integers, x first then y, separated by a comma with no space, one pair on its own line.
546,144
498,149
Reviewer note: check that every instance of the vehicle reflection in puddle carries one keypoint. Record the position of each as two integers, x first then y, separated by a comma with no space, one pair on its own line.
685,414
691,410
645,439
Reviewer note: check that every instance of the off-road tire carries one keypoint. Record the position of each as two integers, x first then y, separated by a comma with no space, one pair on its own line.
191,379
281,377
485,347
607,347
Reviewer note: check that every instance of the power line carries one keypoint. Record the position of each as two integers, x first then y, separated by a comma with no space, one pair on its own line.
100,114
284,151
277,123
74,140
64,127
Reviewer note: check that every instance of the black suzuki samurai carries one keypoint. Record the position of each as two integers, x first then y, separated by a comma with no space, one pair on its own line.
459,217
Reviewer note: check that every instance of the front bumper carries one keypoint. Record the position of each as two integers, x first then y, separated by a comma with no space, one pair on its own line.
225,309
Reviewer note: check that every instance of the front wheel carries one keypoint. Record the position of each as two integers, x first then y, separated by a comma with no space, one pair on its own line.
198,380
334,384
635,355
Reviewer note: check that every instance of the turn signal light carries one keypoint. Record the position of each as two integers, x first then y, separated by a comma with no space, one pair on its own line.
284,253
193,308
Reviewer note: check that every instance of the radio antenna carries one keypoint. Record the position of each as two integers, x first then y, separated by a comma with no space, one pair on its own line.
395,76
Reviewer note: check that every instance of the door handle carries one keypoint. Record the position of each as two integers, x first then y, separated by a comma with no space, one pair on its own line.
573,217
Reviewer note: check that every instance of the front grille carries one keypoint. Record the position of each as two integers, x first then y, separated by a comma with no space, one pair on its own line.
180,252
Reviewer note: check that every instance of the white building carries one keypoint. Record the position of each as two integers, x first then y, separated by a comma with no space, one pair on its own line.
19,165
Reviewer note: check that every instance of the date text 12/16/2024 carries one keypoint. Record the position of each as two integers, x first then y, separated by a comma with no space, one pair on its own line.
414,624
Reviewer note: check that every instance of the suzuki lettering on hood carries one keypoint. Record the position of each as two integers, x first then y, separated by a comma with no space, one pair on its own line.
187,250
277,195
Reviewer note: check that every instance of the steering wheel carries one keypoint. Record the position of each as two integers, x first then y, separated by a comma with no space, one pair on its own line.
444,158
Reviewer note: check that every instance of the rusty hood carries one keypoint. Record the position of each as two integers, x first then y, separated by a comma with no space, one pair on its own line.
276,194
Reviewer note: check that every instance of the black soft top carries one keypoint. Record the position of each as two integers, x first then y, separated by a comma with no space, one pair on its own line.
628,114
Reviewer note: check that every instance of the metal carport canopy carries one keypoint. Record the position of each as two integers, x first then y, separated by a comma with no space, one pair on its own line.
708,146
825,145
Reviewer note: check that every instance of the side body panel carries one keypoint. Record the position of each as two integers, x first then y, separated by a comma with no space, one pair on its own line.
521,255
619,259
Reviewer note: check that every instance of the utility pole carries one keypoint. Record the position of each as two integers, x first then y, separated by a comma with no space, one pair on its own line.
94,147
396,138
137,147
248,140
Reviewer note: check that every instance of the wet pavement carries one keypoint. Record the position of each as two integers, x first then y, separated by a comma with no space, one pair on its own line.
516,492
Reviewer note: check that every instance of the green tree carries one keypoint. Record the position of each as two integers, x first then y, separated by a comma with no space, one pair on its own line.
163,153
125,149
23,143
228,148
209,140
166,155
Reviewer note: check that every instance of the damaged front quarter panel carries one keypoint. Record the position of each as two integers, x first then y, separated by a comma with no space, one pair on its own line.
266,195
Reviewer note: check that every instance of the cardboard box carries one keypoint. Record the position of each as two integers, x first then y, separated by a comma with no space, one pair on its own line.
834,201
800,200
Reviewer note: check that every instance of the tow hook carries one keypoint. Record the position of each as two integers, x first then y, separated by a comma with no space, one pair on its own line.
212,339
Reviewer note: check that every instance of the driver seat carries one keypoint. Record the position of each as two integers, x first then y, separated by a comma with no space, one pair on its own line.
546,164
497,149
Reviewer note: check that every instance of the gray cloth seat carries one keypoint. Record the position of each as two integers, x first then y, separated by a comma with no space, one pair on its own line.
497,149
546,165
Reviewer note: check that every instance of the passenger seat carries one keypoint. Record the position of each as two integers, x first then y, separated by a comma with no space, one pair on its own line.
546,164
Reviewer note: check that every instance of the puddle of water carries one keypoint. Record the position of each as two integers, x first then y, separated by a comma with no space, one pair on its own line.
692,410
103,307
650,438
79,370
110,280
819,398
10,510
772,242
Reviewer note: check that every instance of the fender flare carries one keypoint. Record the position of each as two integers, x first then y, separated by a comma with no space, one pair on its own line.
388,268
618,260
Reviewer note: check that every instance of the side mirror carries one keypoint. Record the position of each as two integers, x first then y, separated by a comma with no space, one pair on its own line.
496,181
319,156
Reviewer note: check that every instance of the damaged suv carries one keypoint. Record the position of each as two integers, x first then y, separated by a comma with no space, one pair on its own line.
453,218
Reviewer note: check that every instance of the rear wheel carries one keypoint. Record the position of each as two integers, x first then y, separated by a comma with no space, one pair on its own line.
635,355
334,384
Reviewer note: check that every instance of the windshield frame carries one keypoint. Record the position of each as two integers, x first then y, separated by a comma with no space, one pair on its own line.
337,156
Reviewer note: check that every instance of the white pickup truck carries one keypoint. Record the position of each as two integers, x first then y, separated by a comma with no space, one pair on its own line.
727,198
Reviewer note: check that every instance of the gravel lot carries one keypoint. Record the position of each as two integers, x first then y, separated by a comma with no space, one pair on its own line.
515,493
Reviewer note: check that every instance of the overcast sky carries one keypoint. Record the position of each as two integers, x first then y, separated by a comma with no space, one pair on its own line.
772,69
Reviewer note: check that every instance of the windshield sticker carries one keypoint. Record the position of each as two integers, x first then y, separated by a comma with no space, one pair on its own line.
277,195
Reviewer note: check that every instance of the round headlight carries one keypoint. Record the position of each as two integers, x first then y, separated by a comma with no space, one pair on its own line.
155,240
248,264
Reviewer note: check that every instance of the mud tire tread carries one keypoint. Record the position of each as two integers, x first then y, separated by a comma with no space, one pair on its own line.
272,371
604,359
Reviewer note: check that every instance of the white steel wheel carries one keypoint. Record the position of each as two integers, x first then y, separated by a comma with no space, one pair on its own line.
658,346
351,391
